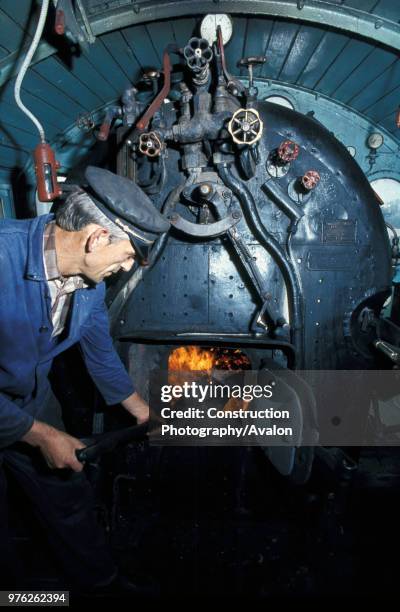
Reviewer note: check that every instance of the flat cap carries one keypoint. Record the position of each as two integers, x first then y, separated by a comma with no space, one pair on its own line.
126,205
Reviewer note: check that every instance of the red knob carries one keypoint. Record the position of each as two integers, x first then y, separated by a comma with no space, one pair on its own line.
59,25
104,131
288,151
310,180
398,118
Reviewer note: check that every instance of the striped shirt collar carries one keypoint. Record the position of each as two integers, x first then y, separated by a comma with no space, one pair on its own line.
50,260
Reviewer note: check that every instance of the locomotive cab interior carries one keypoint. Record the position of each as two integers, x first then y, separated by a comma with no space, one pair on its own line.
268,137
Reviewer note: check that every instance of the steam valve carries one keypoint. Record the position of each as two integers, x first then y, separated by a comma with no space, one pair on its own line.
245,127
287,151
310,180
249,62
198,54
150,144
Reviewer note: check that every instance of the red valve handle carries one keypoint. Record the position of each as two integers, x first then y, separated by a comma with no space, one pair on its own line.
59,25
288,151
398,118
310,179
104,131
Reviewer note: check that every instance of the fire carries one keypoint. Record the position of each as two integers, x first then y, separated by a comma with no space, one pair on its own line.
186,359
191,358
195,358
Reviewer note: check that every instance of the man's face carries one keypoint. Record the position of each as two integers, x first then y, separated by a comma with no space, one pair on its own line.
104,257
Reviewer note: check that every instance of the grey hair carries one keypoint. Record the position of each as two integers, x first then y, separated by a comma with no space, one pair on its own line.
79,210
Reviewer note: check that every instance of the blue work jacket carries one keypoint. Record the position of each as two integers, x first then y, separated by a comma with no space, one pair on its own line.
26,347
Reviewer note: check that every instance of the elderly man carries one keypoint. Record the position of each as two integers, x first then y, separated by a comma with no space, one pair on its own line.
51,297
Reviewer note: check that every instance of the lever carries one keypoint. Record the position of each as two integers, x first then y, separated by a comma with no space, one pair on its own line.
111,114
249,62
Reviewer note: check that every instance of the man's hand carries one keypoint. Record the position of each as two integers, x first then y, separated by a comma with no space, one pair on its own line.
137,407
57,447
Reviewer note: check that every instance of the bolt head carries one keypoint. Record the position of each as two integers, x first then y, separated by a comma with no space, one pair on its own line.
205,189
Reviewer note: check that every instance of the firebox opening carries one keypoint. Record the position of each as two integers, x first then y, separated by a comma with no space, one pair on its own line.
198,358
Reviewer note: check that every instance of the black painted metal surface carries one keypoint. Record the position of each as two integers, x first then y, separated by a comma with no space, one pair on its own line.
340,252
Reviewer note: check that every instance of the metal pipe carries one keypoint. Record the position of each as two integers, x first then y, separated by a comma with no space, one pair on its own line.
24,67
294,212
246,199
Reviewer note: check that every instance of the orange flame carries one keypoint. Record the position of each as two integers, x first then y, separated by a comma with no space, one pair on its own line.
191,358
195,359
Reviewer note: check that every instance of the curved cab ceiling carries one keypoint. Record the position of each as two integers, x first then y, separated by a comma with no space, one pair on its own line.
346,50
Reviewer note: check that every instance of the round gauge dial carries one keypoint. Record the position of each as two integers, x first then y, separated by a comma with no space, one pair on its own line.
208,28
375,140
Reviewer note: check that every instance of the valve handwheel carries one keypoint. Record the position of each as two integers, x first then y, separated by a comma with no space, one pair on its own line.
150,144
198,54
245,127
288,151
310,180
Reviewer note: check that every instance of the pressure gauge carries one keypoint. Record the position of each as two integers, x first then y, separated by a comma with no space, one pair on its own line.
208,28
375,140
